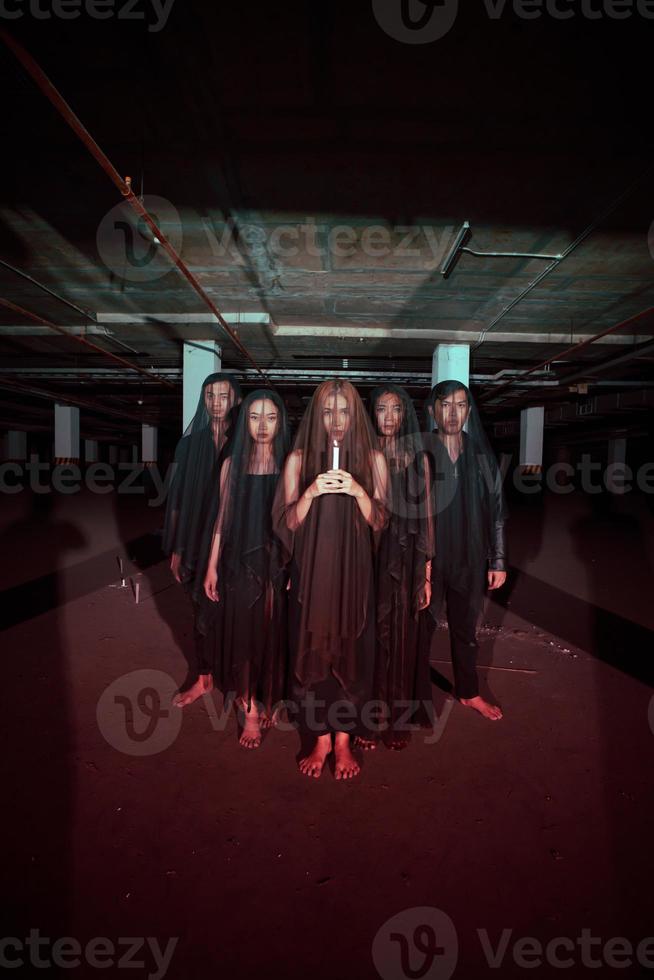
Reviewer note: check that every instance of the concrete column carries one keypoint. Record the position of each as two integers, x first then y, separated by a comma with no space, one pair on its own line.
617,464
133,454
113,455
451,362
66,433
532,422
149,444
199,362
15,445
91,450
563,466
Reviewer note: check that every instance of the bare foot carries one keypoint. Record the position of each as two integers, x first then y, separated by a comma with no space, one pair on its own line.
312,764
397,744
269,721
491,711
203,685
251,734
346,765
367,744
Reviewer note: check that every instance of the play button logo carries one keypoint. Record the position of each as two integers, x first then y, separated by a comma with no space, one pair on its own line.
416,944
415,21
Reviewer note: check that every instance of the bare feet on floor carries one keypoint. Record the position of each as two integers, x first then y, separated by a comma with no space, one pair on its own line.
269,721
203,685
397,743
367,744
491,711
251,734
346,765
313,764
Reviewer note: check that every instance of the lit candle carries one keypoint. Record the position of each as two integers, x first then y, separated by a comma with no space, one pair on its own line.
335,455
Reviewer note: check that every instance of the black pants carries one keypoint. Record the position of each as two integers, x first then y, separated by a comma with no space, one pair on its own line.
463,604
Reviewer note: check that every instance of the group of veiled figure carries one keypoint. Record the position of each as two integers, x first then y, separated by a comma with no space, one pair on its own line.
317,572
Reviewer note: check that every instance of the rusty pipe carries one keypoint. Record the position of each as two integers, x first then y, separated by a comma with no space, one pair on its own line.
124,186
567,352
82,340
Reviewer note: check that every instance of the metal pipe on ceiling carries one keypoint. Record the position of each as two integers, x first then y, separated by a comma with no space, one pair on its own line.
557,261
124,186
570,350
87,343
638,351
59,396
73,306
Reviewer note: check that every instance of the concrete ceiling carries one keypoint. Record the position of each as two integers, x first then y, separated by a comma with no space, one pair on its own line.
313,172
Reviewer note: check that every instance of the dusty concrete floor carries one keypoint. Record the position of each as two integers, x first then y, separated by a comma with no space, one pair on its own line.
538,826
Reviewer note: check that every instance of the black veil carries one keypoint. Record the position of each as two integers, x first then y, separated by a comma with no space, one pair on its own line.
468,523
245,629
331,550
400,451
410,497
195,477
233,513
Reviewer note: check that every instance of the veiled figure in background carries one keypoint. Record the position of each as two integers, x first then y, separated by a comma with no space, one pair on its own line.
403,572
328,508
193,496
470,545
241,582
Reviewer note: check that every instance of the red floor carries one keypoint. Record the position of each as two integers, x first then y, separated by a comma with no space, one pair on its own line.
537,826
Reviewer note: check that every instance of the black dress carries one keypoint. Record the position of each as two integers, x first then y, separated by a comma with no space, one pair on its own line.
245,632
402,679
331,618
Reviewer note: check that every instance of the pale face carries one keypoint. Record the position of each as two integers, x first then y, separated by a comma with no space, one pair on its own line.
451,413
263,420
218,400
336,416
389,413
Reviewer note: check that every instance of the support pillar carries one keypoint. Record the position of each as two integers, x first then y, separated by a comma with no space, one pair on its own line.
113,455
149,444
532,423
199,362
451,362
616,470
66,448
91,450
15,445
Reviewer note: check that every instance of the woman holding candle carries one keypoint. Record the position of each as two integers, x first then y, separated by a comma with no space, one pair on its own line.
330,501
403,571
244,583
